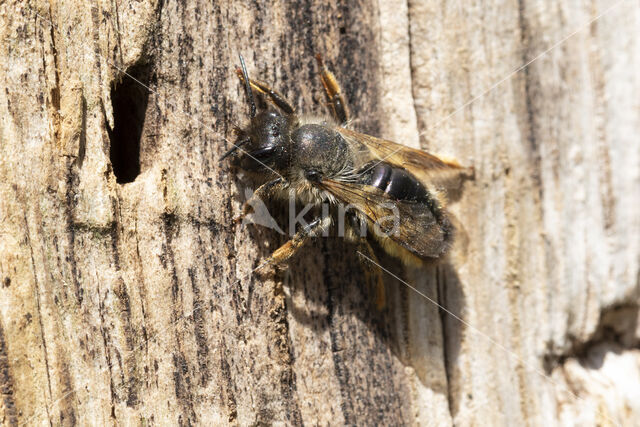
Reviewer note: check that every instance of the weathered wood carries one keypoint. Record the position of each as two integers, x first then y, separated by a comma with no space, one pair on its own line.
127,296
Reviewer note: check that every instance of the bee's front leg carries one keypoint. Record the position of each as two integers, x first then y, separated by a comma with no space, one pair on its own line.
263,89
262,193
286,251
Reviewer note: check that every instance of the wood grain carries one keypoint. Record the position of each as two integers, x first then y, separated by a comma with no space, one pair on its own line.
127,295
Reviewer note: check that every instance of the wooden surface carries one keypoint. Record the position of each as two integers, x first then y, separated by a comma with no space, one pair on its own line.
135,303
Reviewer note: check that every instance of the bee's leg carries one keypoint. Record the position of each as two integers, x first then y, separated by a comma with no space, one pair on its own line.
286,251
334,94
374,274
274,96
261,193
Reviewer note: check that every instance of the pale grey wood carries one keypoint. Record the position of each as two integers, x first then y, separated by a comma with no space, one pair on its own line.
135,303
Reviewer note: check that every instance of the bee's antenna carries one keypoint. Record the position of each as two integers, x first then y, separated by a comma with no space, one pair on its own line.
247,88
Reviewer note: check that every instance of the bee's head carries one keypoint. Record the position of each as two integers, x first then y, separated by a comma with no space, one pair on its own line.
265,141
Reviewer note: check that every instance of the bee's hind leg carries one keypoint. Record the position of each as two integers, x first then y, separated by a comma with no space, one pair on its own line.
374,274
263,89
334,94
286,251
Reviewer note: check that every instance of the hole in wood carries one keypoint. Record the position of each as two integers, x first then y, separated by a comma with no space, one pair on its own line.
129,99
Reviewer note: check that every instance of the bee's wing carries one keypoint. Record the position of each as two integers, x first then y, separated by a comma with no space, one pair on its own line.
428,168
421,228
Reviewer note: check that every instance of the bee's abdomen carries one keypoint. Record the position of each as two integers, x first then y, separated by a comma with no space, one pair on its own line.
397,183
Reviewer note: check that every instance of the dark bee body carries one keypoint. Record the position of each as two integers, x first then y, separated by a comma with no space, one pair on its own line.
320,161
319,151
397,183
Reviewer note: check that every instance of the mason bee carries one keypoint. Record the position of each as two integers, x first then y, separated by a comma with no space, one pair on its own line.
324,161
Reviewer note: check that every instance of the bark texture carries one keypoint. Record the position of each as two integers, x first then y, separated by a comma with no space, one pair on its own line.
127,297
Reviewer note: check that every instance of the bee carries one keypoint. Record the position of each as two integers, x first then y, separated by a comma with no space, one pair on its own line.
323,160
